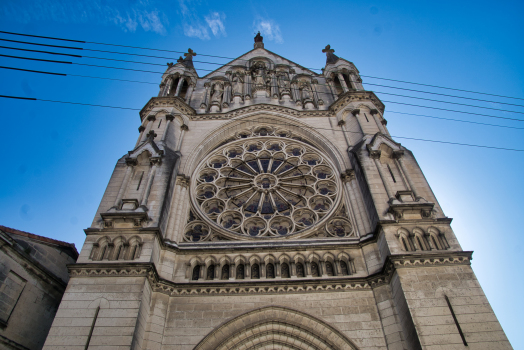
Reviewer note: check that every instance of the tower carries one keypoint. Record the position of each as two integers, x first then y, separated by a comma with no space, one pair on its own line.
266,206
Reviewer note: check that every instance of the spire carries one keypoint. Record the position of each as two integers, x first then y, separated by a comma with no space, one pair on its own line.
259,41
330,56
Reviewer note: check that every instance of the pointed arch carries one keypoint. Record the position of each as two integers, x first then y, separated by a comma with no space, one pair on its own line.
266,327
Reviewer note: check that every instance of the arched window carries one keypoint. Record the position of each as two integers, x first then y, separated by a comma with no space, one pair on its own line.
183,89
196,273
348,81
314,269
270,271
255,271
285,270
338,86
240,272
300,270
172,90
210,272
225,272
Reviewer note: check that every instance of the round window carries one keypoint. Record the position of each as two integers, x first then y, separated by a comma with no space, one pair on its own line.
264,187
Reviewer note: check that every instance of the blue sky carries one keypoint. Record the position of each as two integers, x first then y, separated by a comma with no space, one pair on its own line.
58,158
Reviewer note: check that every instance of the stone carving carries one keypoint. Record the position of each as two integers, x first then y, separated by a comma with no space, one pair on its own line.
225,272
218,91
307,94
300,270
260,77
238,84
314,269
270,271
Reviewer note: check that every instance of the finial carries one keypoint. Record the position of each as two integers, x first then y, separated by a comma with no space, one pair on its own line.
330,56
259,43
188,61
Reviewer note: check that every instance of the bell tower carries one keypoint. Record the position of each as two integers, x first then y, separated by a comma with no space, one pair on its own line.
266,206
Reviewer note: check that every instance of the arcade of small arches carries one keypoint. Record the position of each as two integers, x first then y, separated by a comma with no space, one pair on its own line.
418,239
254,268
118,248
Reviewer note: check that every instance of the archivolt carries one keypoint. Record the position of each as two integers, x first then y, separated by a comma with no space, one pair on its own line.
275,327
217,136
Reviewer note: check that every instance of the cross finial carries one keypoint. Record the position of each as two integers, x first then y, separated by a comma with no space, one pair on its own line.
190,53
328,49
330,56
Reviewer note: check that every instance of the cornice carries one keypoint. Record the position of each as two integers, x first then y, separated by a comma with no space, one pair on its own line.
262,107
273,286
169,101
356,96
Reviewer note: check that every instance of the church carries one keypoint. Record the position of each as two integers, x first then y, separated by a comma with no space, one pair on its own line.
266,206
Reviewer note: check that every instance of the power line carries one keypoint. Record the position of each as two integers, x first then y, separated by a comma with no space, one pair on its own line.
313,128
144,71
137,70
232,58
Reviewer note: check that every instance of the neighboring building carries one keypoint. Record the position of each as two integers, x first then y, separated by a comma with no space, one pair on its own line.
33,279
266,206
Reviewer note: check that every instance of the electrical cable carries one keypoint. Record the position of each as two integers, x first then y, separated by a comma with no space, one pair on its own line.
144,71
157,64
231,58
310,127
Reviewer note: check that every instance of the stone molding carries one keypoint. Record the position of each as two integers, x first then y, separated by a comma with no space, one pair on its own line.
302,285
356,96
262,107
176,102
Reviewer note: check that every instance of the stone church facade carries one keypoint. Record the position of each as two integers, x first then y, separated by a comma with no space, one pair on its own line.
266,206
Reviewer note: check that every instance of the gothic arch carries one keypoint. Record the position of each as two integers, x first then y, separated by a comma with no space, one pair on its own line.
217,136
266,327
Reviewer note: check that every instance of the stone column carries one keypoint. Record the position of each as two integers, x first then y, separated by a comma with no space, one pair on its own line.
150,120
295,92
277,270
342,82
331,88
247,270
161,89
353,80
189,92
141,129
129,170
355,191
293,268
274,85
346,179
316,98
169,118
232,271
375,155
155,162
307,266
247,85
226,96
399,155
206,96
380,126
322,267
183,129
342,124
169,86
263,270
179,85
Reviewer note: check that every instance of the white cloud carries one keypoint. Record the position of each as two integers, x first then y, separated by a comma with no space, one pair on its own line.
197,31
269,29
128,17
214,21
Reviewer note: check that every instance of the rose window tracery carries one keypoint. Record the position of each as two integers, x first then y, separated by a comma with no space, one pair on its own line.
265,186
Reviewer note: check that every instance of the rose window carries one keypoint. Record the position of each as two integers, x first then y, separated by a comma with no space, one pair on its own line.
265,187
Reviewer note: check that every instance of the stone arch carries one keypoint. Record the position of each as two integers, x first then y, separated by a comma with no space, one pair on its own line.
271,325
215,138
420,239
404,238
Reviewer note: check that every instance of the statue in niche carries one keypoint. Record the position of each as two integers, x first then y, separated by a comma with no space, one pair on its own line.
225,272
260,78
210,272
238,84
300,270
314,270
329,269
283,82
218,91
306,92
240,272
270,271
